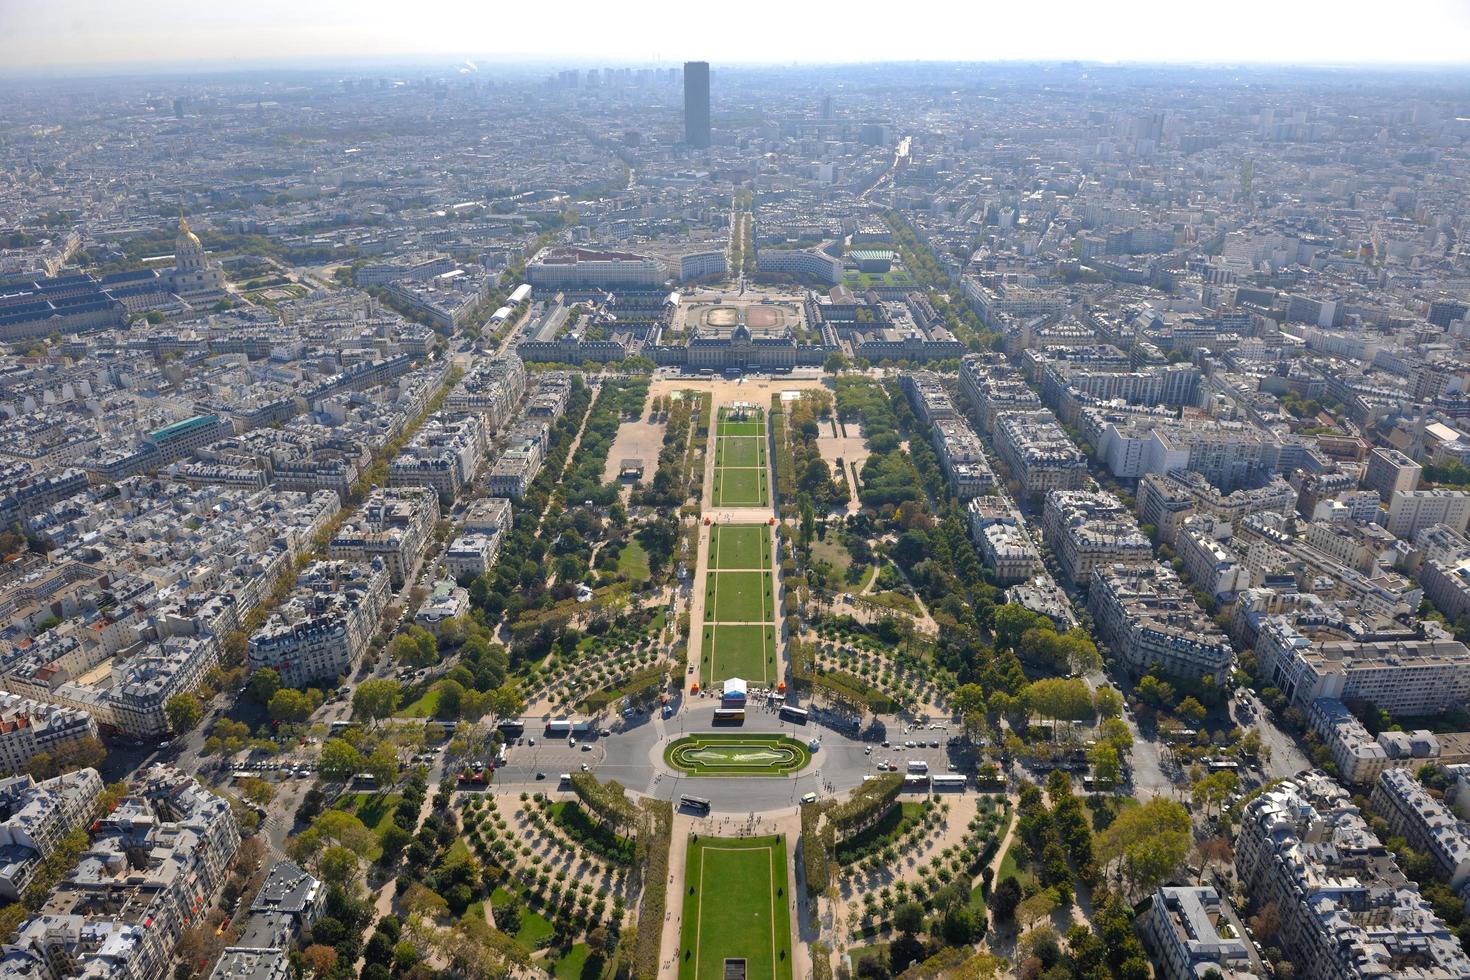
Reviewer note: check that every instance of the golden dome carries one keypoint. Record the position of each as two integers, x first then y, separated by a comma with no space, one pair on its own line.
185,234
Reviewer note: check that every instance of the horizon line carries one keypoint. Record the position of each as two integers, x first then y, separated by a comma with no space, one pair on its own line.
327,64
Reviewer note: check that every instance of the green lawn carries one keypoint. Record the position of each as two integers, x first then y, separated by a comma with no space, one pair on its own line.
375,811
740,546
741,487
633,561
879,950
740,597
1009,869
424,707
739,651
570,966
831,550
534,926
742,917
740,451
737,754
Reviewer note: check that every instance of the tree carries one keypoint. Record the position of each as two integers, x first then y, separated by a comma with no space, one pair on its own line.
1006,897
504,702
320,959
1211,791
383,765
84,753
1116,733
1214,850
264,683
967,698
290,705
1154,692
1191,710
1108,703
375,700
1107,772
257,790
1150,841
909,917
339,760
1063,699
183,712
338,866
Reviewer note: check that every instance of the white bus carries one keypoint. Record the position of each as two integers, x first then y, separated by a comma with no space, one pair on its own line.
696,803
948,781
918,766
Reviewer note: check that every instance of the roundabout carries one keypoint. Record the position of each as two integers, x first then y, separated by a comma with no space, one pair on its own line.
737,754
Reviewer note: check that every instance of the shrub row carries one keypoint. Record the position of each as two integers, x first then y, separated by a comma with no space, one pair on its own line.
605,801
654,859
817,847
867,804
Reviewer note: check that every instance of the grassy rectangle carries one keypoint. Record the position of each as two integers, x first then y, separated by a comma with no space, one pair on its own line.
741,487
732,909
740,546
740,451
740,597
756,428
747,652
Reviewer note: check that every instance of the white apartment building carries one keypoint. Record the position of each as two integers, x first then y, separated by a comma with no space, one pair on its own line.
1410,510
1389,472
1088,529
1212,565
1038,453
394,524
28,727
813,264
1143,613
156,863
1183,930
1003,544
1347,910
472,555
557,268
40,815
1408,676
325,625
1425,823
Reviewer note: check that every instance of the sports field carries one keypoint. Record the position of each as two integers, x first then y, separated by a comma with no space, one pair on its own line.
741,451
741,478
744,651
739,597
737,754
745,916
740,546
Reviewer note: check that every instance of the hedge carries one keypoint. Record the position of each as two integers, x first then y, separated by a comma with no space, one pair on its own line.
654,859
605,801
821,962
866,804
817,847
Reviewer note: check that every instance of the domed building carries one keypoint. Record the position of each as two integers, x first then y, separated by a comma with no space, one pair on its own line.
194,276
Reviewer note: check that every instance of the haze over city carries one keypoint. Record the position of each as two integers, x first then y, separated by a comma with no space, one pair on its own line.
88,34
749,492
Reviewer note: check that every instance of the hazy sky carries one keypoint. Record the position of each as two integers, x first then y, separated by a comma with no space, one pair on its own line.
49,33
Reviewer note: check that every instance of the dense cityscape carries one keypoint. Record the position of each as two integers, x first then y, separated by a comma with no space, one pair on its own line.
719,522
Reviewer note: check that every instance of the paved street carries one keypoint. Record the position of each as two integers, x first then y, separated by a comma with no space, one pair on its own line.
634,757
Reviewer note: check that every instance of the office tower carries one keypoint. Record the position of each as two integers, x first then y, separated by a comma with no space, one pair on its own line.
696,104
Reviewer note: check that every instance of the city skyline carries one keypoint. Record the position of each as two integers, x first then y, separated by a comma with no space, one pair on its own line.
134,36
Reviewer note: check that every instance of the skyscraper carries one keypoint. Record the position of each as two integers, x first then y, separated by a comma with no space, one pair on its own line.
696,104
